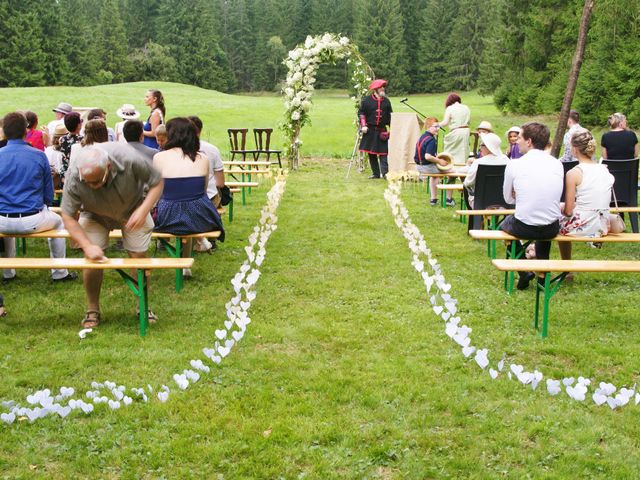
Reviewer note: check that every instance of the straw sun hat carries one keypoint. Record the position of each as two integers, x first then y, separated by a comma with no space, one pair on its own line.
449,159
128,112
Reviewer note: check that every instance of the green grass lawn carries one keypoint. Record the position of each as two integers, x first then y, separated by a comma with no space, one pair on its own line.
345,371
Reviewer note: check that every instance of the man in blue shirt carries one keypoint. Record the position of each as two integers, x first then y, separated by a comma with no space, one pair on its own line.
26,189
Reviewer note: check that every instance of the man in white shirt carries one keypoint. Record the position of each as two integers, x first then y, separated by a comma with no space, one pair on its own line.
572,123
216,176
534,183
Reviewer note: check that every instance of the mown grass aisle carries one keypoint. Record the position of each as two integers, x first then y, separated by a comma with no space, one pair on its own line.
345,371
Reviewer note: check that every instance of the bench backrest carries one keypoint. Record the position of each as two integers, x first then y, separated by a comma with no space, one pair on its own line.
626,185
566,166
488,192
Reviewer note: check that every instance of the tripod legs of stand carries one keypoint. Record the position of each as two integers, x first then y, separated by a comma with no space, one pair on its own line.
354,152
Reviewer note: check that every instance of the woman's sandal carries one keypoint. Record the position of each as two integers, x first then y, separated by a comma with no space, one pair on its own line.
3,311
91,319
151,317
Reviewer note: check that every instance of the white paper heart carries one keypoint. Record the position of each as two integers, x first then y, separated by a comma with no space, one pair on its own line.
493,373
237,335
8,418
221,334
599,399
553,386
467,351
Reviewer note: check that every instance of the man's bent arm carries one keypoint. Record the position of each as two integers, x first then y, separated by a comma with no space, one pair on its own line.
76,231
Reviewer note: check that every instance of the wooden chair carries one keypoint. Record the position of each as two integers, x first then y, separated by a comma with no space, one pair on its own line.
238,143
262,138
488,192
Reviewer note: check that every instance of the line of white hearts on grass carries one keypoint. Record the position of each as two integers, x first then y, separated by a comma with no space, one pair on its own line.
42,403
446,306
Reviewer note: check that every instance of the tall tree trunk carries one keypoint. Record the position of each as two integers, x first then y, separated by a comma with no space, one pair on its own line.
573,77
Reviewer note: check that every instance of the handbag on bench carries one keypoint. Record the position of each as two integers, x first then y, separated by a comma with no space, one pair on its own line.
616,223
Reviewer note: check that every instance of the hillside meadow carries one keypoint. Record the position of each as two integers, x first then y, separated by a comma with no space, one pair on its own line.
344,371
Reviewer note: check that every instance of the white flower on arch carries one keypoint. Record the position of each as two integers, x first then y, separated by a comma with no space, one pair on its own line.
302,64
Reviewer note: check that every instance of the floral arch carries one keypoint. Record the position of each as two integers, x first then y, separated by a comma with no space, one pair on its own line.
303,63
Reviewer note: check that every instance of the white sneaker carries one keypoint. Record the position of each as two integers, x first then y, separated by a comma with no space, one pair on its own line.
186,273
203,245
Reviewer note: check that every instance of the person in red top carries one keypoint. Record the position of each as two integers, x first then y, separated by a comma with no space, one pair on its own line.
374,116
36,138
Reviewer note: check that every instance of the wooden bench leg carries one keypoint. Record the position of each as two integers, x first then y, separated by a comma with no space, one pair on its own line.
139,288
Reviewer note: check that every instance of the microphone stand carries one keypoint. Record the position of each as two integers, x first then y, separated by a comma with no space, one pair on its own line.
404,102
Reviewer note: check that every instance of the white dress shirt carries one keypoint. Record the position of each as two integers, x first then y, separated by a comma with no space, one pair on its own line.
534,183
215,165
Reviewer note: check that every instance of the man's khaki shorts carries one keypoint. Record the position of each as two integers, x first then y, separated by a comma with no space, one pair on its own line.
133,240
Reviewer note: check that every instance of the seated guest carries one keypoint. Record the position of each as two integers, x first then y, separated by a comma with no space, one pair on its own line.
108,182
574,126
587,194
100,114
3,141
61,111
54,155
26,189
161,136
484,127
94,132
125,112
425,156
490,154
534,185
513,151
132,131
619,143
73,124
216,177
184,207
36,138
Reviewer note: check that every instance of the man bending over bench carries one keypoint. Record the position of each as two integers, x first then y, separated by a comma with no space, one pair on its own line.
108,182
534,184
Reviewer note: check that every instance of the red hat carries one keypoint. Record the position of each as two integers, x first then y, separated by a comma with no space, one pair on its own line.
377,84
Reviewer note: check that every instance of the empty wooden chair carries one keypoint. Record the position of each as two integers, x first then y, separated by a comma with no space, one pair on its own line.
262,138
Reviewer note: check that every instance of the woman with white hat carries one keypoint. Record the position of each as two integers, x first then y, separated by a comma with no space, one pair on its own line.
125,112
374,116
490,154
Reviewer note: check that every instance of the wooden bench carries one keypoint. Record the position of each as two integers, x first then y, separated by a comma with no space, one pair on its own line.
243,186
496,235
165,238
495,213
453,187
248,163
552,284
137,285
